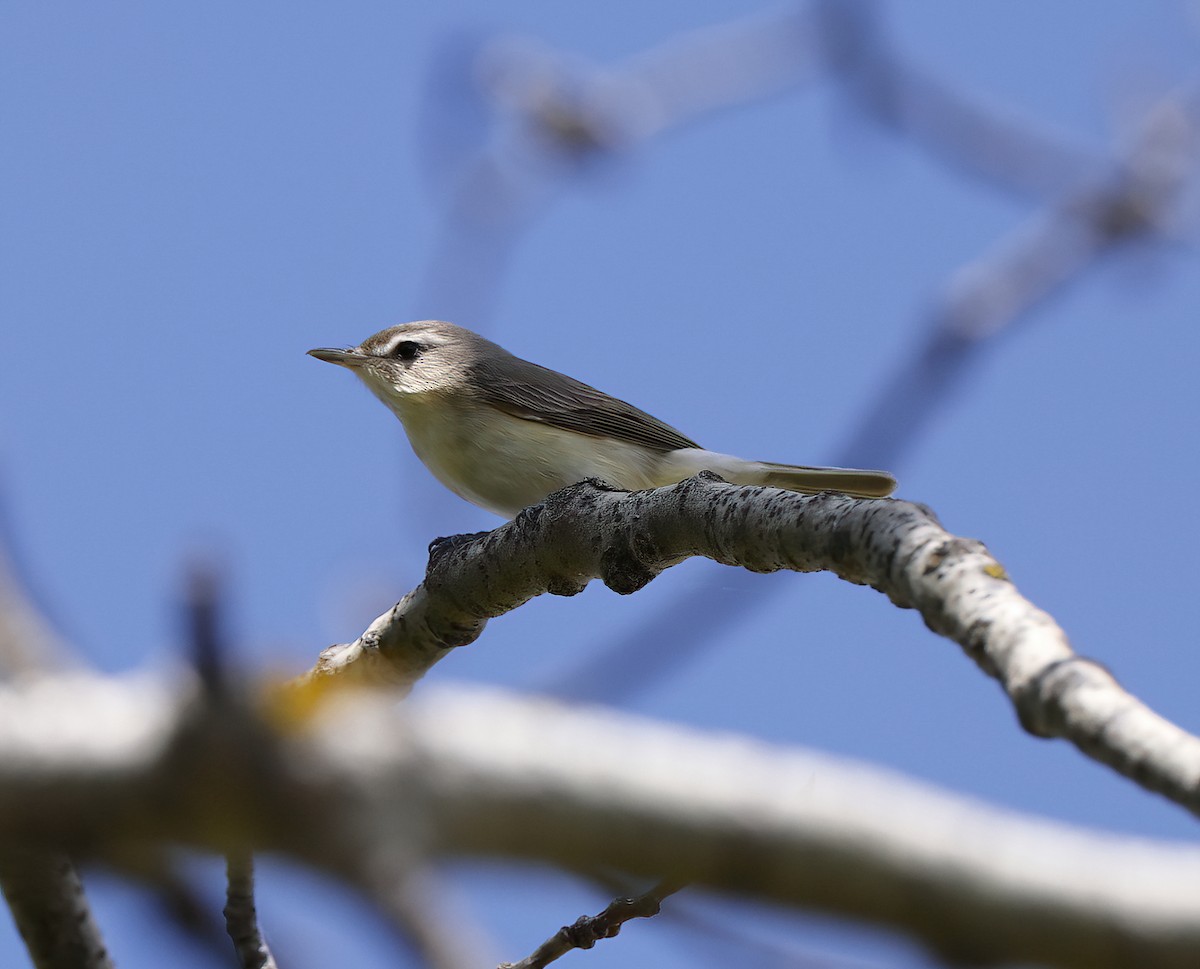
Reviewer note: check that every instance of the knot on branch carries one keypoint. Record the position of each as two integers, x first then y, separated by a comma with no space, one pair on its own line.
445,545
623,565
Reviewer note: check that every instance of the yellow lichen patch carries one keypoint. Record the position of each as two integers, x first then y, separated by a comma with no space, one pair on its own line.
291,704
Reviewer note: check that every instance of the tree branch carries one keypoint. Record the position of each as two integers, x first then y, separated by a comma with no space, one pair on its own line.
210,657
108,764
898,548
587,930
51,911
241,914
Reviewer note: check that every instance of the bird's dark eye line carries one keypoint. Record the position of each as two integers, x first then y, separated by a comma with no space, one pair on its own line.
407,350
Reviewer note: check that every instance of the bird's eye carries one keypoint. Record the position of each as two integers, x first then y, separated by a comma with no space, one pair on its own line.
407,350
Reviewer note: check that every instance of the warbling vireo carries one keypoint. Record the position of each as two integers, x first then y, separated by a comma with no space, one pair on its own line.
503,432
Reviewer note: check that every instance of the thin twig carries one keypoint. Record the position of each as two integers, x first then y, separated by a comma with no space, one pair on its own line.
587,930
702,928
210,656
241,915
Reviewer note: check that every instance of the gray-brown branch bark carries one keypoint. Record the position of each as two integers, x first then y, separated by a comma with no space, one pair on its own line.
51,911
587,930
241,914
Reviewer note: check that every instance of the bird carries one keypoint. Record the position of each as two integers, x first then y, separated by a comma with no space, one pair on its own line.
504,433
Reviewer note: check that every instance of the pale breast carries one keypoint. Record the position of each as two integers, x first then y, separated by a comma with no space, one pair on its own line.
503,463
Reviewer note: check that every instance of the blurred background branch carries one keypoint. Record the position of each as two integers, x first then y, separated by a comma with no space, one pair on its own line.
585,788
41,886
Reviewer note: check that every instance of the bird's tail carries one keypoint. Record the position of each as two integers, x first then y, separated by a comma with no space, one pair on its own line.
851,481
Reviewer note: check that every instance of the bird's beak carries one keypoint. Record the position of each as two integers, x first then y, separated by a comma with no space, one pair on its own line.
343,358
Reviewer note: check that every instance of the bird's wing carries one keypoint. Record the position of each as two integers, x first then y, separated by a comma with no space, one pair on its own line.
533,393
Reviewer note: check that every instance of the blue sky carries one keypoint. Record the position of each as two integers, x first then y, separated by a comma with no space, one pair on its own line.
194,195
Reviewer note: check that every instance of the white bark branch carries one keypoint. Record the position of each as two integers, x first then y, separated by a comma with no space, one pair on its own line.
241,914
974,883
108,764
898,548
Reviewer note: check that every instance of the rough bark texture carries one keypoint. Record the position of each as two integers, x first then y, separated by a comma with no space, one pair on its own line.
896,547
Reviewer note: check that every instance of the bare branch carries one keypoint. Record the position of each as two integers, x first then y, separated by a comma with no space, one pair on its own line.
481,773
51,911
579,111
558,115
587,930
574,111
986,141
535,779
241,915
1137,199
896,547
210,654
